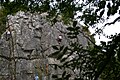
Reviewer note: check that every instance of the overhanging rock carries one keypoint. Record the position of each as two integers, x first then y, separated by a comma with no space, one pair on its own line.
24,53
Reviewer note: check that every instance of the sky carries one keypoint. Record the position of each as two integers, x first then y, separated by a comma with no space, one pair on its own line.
108,30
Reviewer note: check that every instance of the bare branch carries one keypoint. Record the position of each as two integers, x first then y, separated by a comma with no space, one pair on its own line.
113,21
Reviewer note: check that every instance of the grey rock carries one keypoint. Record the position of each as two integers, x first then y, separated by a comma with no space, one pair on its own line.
26,53
31,45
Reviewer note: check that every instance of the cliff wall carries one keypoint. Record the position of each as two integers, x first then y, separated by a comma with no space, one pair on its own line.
26,44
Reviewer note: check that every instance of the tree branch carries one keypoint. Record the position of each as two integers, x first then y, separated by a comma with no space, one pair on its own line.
113,21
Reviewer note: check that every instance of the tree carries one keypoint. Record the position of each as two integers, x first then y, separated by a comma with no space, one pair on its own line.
92,62
92,11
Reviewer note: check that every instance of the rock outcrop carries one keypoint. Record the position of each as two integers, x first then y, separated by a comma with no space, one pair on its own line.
26,44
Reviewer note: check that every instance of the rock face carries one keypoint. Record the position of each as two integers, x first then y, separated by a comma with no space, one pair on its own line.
26,44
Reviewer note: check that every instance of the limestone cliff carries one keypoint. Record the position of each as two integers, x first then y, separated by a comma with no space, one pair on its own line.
26,44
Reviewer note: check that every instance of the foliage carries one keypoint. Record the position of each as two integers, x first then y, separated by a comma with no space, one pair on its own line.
92,11
2,20
91,62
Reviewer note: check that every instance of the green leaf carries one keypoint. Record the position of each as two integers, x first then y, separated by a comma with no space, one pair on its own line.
59,66
70,33
103,43
102,12
108,5
109,12
118,54
72,37
68,76
54,76
76,33
74,23
55,66
77,28
65,50
60,56
102,4
64,73
58,0
55,47
62,53
61,48
54,54
63,59
70,29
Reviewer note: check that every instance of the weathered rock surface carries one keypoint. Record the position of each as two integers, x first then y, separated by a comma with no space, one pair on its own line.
24,54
